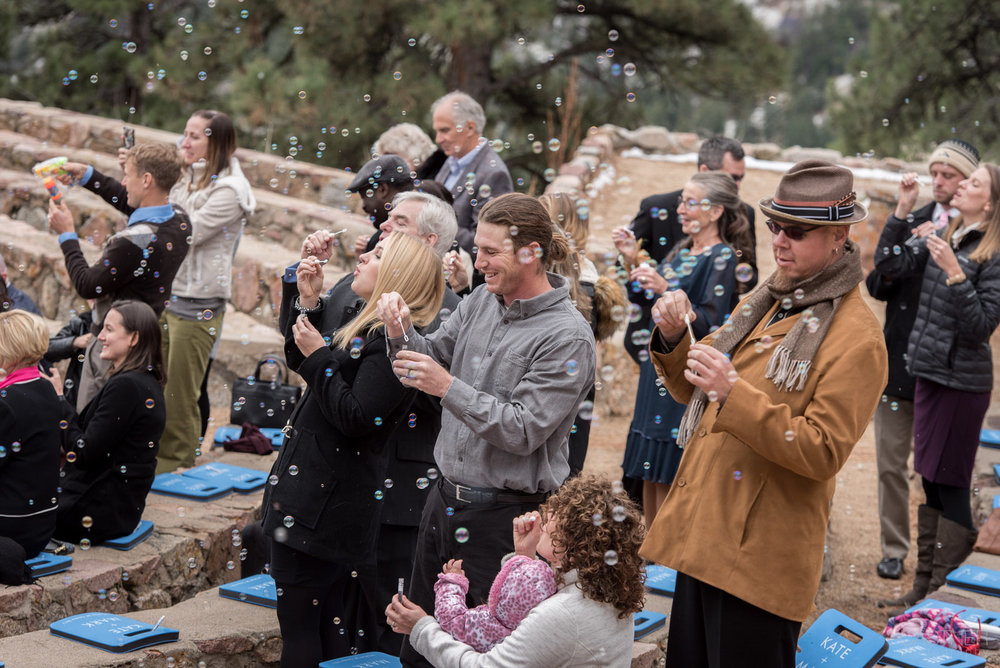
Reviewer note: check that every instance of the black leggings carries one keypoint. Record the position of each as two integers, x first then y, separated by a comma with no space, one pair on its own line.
310,607
953,502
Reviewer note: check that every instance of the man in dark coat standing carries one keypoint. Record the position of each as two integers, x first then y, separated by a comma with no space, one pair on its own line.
950,163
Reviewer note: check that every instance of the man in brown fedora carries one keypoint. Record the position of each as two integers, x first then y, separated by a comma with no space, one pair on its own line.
777,398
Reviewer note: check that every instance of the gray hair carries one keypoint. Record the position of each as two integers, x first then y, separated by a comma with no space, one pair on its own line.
713,149
405,140
436,217
463,109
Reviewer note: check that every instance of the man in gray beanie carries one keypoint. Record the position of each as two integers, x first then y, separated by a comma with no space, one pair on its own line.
951,162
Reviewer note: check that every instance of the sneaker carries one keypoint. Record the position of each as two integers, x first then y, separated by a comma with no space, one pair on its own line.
890,568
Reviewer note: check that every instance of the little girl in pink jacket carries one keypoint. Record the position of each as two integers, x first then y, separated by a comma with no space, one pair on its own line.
521,584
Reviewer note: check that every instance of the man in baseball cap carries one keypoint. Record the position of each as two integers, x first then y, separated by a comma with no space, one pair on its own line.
377,183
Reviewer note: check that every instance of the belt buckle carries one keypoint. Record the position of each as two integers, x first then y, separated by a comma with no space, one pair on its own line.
458,493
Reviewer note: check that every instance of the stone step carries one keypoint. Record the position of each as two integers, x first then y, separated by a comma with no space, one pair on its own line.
62,129
191,550
279,217
36,266
213,630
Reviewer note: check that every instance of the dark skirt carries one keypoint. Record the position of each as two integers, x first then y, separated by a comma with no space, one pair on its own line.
651,451
946,425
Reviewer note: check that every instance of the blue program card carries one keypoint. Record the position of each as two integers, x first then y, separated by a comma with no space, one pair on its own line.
47,563
141,533
919,653
646,622
256,589
661,580
112,633
241,479
837,640
173,484
977,578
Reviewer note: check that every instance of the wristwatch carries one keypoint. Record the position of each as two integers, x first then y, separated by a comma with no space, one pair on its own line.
956,279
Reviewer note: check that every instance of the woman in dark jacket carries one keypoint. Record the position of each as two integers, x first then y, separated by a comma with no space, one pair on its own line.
111,446
29,434
949,355
321,507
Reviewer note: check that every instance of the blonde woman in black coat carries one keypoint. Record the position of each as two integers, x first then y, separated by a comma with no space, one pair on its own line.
321,508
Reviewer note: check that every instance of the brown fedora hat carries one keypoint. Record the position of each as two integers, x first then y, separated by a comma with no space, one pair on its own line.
815,192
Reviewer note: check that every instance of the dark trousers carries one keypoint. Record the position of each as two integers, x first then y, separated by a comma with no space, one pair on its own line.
311,597
712,629
376,584
952,501
485,539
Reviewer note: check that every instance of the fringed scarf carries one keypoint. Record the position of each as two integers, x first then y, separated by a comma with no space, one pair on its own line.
791,360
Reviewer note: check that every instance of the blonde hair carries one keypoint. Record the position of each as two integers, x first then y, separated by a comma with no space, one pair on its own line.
412,269
564,210
990,243
24,338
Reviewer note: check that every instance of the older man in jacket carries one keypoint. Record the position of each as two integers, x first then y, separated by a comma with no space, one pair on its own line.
776,401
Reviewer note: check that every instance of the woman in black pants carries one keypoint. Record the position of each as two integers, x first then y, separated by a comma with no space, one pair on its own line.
321,508
949,355
111,446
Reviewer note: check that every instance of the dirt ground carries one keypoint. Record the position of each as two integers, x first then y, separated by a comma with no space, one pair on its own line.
854,539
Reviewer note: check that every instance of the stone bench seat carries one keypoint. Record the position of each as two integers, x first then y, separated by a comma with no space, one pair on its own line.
191,550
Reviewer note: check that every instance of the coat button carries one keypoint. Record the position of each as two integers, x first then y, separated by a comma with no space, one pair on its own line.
702,432
681,482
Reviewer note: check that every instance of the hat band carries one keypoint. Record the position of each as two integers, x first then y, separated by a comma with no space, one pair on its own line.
831,213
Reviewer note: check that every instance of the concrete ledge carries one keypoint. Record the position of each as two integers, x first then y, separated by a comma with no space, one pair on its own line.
192,549
214,631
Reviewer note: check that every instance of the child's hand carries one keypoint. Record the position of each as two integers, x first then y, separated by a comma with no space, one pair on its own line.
453,566
527,533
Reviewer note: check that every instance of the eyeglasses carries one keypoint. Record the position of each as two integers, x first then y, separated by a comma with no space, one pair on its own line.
692,203
793,232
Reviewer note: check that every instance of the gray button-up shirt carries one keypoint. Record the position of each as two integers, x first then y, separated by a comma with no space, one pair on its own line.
520,375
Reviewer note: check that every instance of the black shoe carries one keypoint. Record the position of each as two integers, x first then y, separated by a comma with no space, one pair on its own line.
890,568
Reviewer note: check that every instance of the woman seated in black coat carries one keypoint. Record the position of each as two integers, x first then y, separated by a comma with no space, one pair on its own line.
111,446
321,508
29,434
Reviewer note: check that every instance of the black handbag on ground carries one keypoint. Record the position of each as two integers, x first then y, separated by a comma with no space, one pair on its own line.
264,403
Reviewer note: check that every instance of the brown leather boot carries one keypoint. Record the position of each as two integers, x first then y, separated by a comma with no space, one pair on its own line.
954,544
928,520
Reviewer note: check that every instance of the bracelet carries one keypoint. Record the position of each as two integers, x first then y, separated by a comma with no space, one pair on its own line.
956,279
302,309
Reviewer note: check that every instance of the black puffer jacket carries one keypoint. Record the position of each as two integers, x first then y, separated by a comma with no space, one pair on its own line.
950,341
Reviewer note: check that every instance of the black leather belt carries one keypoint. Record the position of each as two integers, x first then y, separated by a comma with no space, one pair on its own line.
487,495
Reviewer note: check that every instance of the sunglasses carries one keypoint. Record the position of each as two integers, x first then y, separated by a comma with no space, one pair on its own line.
793,232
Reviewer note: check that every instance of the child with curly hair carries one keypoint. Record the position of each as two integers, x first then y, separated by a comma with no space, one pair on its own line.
589,532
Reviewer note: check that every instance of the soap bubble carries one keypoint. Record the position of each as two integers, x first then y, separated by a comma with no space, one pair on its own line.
611,557
289,521
461,535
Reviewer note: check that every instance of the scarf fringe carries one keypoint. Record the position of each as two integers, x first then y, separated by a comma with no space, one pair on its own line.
785,371
692,416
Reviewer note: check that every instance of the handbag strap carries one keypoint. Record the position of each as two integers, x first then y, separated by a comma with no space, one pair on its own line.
280,363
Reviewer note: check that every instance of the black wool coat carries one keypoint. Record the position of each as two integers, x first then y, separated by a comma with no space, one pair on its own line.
110,458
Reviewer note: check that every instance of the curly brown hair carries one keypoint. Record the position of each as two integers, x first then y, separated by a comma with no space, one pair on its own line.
598,532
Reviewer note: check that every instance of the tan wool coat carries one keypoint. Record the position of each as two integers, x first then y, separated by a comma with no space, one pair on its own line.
747,512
